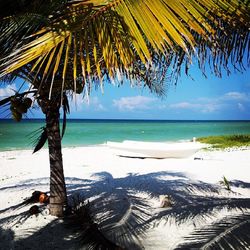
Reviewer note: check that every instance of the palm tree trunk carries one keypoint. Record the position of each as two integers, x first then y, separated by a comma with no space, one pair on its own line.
58,195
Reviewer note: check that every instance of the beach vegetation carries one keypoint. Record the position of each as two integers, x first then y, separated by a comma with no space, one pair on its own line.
226,141
225,183
67,47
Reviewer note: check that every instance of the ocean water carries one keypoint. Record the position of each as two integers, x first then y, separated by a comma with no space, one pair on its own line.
91,132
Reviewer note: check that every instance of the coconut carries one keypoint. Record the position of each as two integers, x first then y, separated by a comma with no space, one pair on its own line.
43,198
15,101
21,108
27,102
16,115
34,210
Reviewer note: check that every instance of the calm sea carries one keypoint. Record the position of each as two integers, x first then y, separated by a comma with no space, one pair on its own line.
91,132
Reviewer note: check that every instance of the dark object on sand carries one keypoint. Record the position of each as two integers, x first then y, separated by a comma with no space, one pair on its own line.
34,210
38,196
198,158
35,196
44,198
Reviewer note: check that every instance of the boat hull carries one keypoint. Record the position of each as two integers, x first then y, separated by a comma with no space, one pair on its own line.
155,150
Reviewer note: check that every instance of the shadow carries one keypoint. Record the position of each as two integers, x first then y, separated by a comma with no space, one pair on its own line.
216,236
175,184
53,236
6,239
138,157
28,184
126,208
11,208
238,183
15,218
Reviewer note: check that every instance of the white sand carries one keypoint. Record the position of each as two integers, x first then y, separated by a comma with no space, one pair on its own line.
124,190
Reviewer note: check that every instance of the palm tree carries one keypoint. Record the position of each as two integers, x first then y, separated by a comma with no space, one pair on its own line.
89,42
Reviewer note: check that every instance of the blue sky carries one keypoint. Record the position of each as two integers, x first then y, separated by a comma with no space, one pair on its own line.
226,98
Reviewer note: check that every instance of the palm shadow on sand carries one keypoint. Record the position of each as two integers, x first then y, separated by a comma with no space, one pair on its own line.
127,208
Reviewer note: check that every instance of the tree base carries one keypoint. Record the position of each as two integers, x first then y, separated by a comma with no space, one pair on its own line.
56,210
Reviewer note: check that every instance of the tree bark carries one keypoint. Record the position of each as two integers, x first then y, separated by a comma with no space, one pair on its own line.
58,195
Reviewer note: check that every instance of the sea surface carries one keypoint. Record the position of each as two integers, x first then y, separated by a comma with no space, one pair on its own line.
23,135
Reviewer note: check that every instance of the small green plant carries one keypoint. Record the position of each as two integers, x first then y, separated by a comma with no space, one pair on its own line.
225,183
226,141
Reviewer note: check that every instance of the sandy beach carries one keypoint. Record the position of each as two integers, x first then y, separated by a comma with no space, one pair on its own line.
124,196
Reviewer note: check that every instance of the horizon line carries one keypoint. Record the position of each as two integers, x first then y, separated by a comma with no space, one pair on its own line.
129,119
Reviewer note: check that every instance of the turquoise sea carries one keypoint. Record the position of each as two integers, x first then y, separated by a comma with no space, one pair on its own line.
91,132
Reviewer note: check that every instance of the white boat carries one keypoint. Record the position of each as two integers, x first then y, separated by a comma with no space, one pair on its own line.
155,149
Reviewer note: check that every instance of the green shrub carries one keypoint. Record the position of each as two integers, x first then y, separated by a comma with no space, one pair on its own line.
226,141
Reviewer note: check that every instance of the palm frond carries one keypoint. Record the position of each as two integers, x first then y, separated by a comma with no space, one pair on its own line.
65,104
18,8
8,79
115,37
41,140
5,101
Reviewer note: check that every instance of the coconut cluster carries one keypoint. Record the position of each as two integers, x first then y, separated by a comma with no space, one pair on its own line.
19,106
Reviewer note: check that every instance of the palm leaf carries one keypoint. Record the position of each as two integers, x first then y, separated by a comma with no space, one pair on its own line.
120,35
66,110
66,62
21,19
41,140
5,101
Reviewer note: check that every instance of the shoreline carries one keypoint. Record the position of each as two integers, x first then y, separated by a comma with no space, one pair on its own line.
234,148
